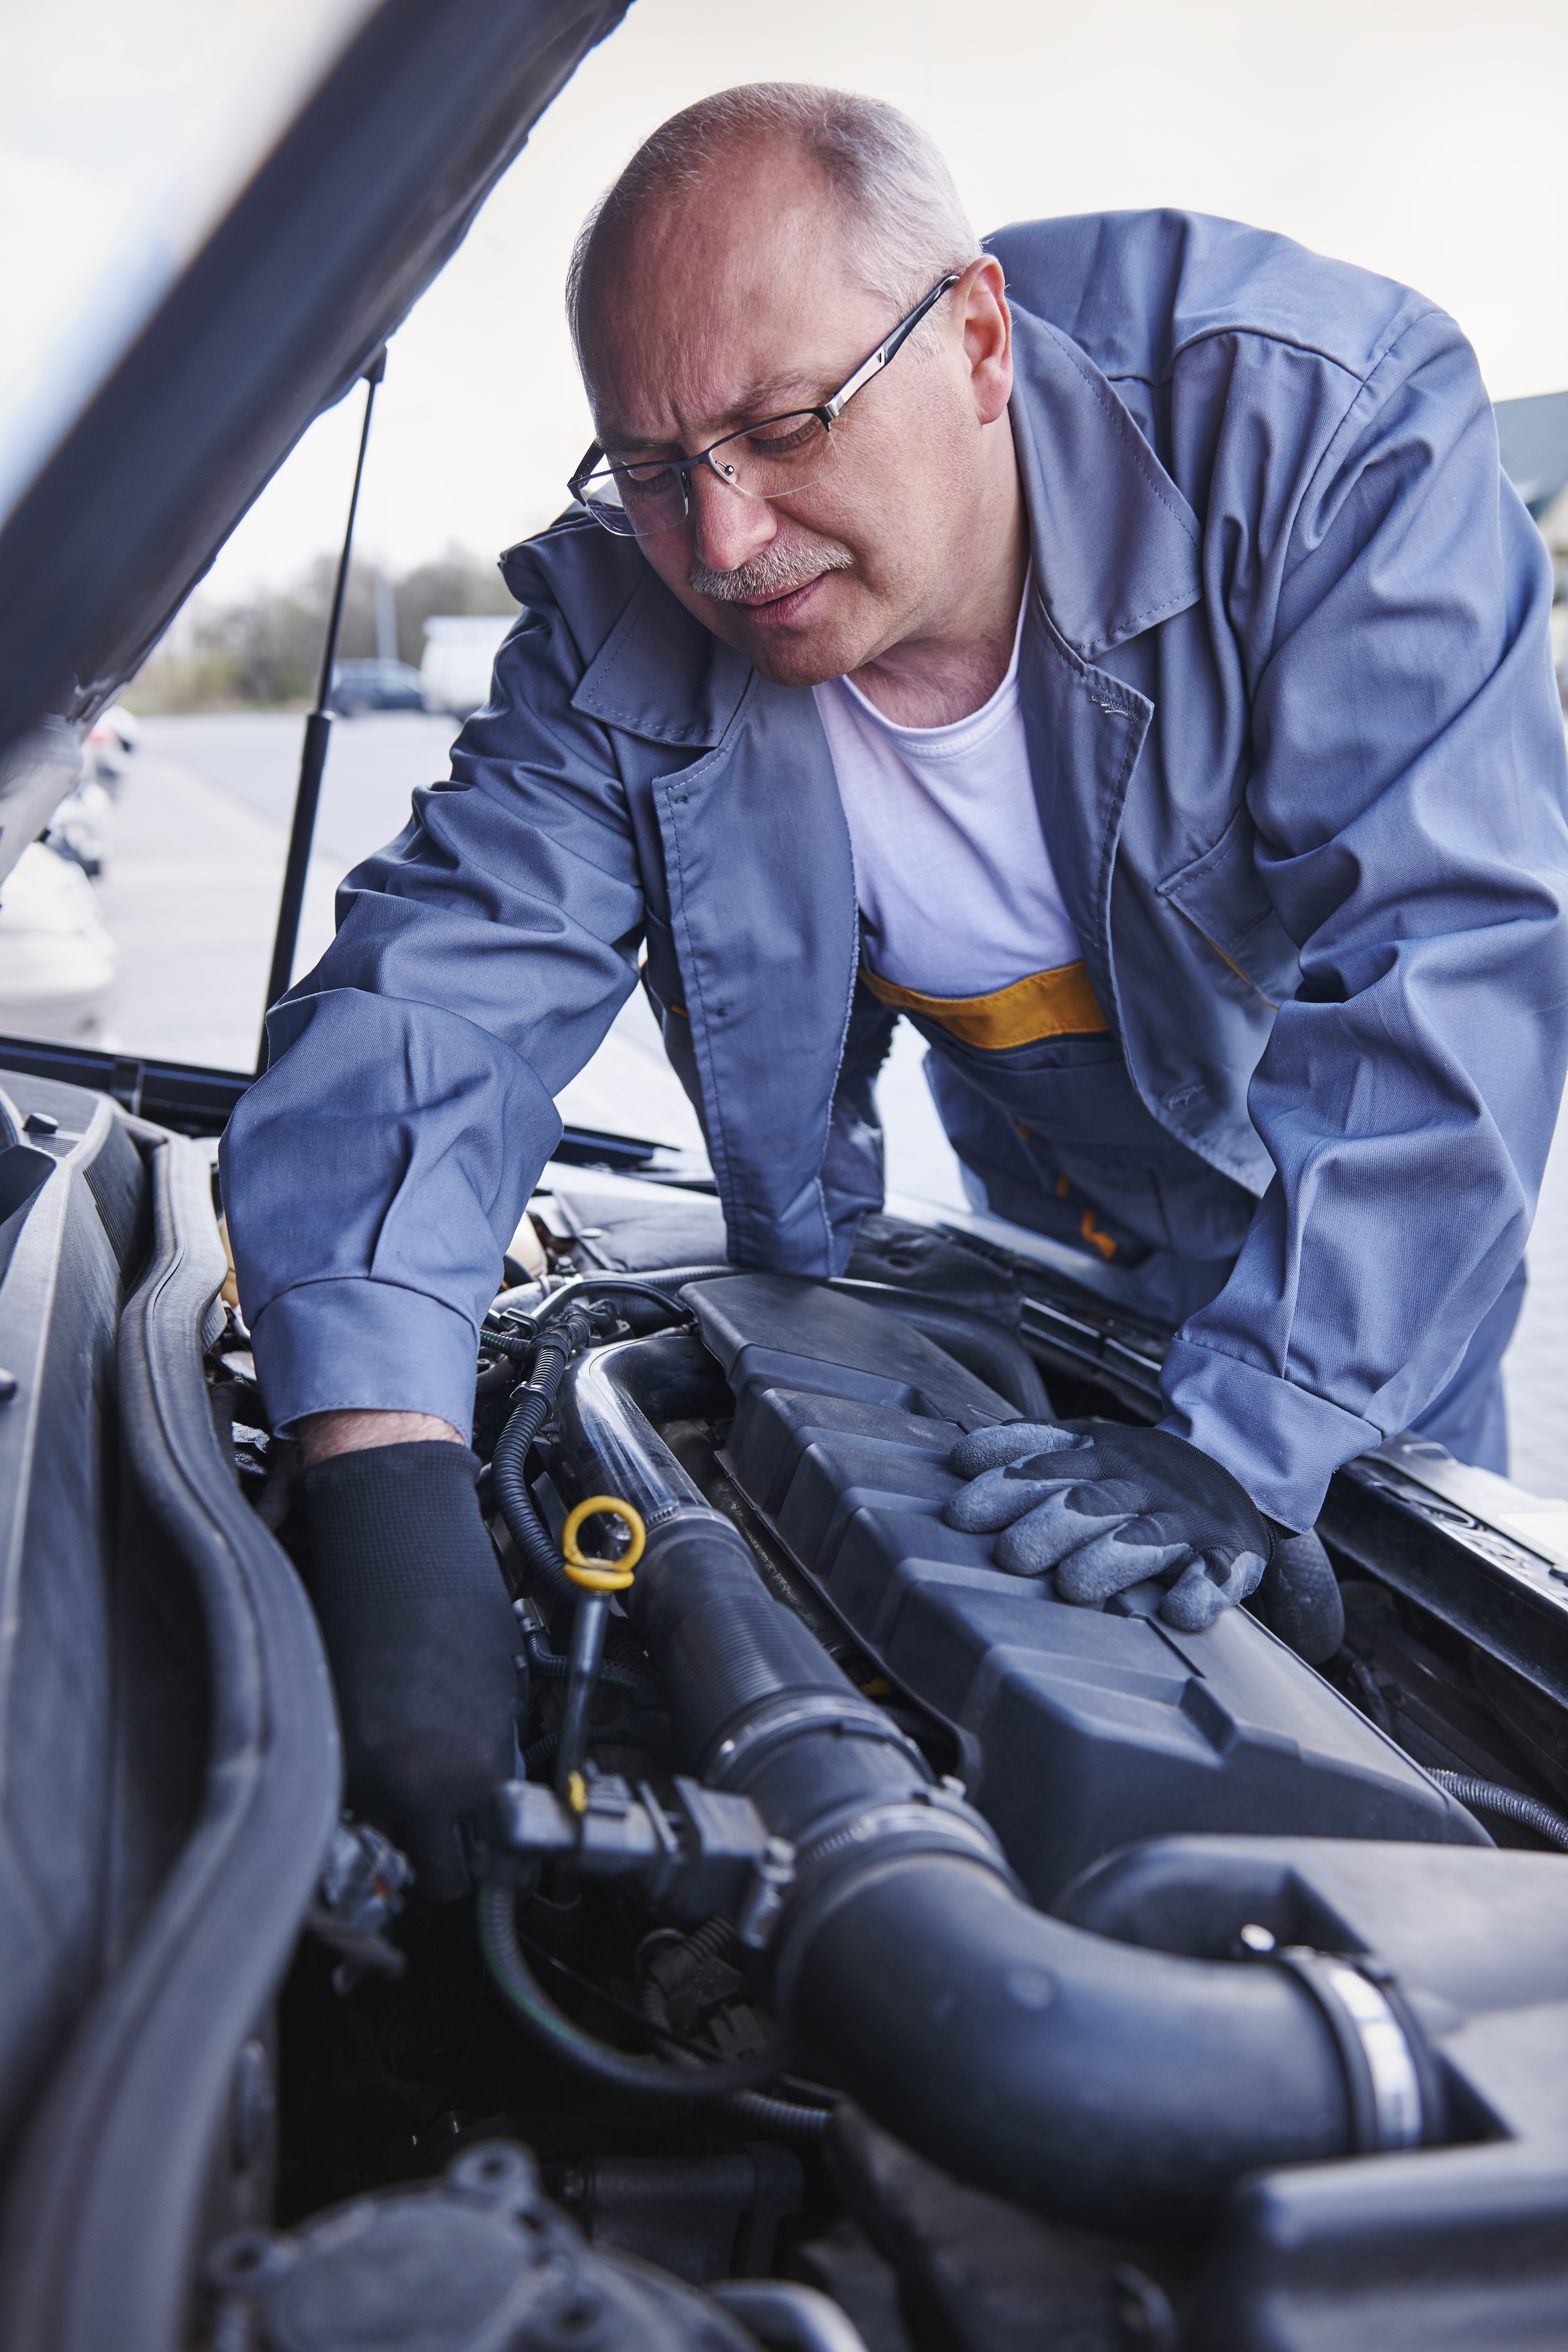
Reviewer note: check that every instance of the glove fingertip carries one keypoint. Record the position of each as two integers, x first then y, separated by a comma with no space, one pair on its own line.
1247,1573
1026,1551
1194,1601
1009,1441
1015,1564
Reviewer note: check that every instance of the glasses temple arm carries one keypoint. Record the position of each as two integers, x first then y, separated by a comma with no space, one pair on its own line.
833,409
584,468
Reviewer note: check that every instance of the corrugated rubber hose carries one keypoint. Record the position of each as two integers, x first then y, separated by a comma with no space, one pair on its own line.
508,1464
1506,1805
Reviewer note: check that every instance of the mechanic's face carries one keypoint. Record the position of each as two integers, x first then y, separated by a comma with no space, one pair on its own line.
733,304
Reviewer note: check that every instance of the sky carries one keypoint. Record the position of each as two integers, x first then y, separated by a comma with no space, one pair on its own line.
1422,140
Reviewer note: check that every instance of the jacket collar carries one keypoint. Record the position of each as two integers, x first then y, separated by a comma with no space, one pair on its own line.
1117,546
1116,551
659,674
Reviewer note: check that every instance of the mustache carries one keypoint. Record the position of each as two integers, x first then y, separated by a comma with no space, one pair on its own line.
775,572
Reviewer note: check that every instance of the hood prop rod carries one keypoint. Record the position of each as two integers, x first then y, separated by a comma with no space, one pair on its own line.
313,758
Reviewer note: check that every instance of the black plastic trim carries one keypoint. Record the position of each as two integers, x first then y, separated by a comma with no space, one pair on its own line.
104,2220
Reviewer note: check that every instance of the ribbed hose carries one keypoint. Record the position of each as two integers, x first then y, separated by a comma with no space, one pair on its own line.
1506,1805
616,2070
549,1668
628,1732
563,1328
509,1468
781,2118
659,1286
715,1936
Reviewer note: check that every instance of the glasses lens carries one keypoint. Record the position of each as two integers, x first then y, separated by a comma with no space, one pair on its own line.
776,458
769,460
637,501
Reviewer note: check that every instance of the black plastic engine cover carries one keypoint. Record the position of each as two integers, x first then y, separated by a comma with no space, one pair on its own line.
1081,1730
1464,2245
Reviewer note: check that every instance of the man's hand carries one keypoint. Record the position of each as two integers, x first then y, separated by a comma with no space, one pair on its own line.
420,1634
1108,1506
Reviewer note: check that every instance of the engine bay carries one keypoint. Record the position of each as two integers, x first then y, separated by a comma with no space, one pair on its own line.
871,1941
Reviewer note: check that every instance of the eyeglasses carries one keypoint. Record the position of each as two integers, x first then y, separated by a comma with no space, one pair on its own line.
774,458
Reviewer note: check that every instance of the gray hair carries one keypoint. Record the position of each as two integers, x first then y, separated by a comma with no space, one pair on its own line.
905,226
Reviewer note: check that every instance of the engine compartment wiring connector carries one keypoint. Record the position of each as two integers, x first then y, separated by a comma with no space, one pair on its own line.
704,1853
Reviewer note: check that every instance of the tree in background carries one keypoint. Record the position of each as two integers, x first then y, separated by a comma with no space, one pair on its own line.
265,653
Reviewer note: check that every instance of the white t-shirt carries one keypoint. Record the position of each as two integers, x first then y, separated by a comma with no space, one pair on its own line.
955,885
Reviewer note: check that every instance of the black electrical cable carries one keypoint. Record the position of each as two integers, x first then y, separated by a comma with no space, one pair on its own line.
781,2118
1506,1805
702,2052
715,1935
627,1731
552,1668
616,2070
657,1287
508,1463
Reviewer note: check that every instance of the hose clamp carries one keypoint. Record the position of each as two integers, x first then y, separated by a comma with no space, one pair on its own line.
851,1716
928,1818
1394,2095
848,1854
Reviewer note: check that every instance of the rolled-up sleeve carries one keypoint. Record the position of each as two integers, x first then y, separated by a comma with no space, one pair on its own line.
374,1175
1408,787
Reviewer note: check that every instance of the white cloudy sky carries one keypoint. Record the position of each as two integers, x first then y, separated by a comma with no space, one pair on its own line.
1421,138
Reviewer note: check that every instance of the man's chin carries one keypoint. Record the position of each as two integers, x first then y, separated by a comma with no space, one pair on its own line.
801,664
801,656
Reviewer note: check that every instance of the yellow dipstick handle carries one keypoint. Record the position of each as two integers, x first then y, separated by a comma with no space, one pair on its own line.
603,1575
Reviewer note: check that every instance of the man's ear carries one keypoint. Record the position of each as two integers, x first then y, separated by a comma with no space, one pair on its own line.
980,300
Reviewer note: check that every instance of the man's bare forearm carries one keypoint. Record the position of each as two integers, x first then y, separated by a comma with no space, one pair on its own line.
322,1435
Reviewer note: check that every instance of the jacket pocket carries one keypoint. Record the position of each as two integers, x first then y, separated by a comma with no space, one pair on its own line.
1222,896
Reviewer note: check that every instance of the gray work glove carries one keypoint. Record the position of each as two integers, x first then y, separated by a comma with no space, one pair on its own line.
1108,1506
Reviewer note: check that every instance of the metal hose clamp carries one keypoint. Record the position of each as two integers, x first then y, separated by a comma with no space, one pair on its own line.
848,1716
1395,2095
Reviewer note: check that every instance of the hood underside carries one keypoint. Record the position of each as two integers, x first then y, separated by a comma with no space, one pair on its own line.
359,206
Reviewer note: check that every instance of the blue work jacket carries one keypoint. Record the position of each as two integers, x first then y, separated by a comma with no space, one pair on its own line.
1298,757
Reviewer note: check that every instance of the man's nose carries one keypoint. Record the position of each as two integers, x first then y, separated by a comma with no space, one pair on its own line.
728,528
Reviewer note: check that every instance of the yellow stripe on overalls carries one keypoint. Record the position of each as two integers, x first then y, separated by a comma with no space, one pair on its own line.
1059,1004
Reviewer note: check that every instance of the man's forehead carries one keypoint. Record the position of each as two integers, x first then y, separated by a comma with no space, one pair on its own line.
727,351
644,402
730,299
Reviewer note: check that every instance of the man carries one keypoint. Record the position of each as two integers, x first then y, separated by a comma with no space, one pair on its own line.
1115,650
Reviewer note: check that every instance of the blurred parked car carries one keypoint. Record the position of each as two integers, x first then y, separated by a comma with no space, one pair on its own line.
112,737
57,962
77,828
460,654
359,686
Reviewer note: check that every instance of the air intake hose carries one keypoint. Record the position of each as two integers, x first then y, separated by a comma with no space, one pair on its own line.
1093,2079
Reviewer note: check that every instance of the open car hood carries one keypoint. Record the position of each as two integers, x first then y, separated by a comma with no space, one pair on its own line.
395,147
